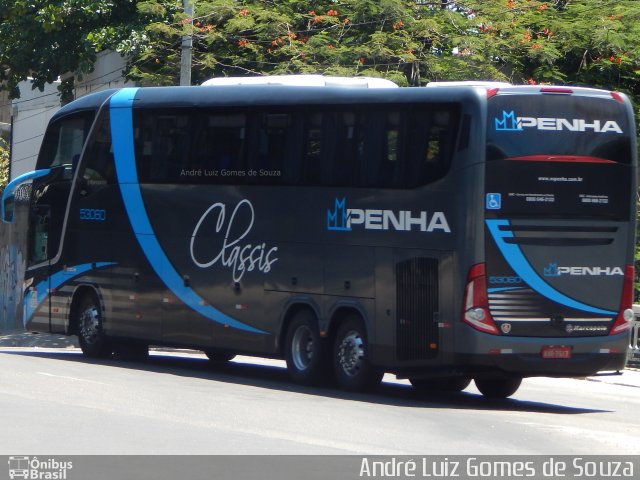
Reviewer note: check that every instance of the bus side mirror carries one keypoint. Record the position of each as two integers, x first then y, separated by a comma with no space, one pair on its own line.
7,205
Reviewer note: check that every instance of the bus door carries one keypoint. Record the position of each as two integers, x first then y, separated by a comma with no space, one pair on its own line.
46,218
59,154
558,212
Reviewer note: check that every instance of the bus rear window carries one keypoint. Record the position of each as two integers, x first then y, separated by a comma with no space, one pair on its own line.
558,126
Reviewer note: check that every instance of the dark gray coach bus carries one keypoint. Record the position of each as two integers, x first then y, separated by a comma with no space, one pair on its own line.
439,234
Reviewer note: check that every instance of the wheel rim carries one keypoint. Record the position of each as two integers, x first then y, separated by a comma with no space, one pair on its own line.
90,325
351,353
302,348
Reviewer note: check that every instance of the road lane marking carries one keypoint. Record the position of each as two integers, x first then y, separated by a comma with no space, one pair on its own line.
70,378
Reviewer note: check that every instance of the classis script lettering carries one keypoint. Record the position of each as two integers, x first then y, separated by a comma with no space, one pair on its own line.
240,257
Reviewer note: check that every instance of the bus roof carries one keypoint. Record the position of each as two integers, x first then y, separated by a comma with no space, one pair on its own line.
469,83
303,81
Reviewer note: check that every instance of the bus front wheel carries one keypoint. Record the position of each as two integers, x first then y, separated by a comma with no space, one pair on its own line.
306,351
351,363
92,340
498,387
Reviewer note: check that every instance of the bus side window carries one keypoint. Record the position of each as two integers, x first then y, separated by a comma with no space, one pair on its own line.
310,170
171,147
391,159
98,167
273,142
346,158
433,136
219,148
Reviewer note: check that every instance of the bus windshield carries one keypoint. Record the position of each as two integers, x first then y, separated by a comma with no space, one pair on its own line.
64,140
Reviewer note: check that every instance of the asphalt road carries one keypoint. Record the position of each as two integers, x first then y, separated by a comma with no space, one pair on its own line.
57,402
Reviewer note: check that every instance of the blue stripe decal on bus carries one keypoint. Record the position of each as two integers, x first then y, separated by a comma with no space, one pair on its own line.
124,154
521,266
504,289
54,282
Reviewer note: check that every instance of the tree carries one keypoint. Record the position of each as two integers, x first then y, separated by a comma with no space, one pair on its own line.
4,165
43,40
397,39
552,41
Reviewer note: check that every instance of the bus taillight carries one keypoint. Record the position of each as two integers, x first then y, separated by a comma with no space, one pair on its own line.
492,92
556,90
476,305
625,314
617,97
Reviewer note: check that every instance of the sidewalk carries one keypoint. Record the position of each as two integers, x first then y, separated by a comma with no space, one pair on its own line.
37,340
629,377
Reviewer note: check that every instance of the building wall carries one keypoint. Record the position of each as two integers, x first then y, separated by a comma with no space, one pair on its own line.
107,73
5,115
32,112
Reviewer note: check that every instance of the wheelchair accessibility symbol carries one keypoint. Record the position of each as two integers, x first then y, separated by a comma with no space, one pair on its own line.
494,201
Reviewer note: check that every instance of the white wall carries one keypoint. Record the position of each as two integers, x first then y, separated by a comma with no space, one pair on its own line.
107,73
32,112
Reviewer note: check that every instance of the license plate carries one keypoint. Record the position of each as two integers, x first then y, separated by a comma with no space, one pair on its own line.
556,352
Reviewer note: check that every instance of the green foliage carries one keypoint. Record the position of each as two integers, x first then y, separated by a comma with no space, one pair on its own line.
4,165
45,39
590,42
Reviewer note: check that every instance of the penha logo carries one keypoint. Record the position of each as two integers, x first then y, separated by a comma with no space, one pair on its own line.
511,123
345,219
553,270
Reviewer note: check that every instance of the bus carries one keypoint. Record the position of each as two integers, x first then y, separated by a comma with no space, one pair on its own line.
439,234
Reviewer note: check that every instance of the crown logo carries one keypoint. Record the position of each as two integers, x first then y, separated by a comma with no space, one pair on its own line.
551,270
338,219
509,122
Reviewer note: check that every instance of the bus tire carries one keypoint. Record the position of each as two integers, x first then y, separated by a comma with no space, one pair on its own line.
92,340
440,385
351,364
218,356
498,387
306,352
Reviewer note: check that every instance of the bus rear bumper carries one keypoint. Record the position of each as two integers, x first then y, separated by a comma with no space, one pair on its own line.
553,357
495,356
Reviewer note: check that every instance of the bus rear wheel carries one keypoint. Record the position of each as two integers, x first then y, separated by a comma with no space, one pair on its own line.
306,352
440,385
498,387
92,340
351,363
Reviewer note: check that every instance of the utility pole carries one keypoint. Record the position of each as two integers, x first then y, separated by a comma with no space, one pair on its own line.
187,46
